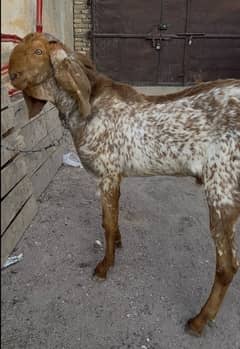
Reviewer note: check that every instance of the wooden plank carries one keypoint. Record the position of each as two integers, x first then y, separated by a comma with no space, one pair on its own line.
4,97
13,202
13,140
12,174
35,160
48,106
15,231
21,112
34,131
52,119
42,177
7,120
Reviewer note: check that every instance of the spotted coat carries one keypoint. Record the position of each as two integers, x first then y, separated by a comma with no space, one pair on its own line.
197,135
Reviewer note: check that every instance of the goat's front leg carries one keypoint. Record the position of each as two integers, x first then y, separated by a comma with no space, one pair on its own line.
110,193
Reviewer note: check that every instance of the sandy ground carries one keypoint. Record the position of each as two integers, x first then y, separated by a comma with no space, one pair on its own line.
162,275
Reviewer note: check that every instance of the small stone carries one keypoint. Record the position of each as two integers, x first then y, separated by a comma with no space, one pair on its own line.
98,244
211,323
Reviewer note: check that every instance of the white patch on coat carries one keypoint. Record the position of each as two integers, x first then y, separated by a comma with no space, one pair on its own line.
59,55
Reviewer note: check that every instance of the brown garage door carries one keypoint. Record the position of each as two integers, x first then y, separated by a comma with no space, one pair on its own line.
171,42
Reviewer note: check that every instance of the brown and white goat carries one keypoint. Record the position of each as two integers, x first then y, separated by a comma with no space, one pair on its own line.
118,133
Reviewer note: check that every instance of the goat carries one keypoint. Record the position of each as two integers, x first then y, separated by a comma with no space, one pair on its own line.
119,132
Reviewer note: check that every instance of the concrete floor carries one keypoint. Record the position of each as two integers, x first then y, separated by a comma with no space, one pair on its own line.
161,277
158,90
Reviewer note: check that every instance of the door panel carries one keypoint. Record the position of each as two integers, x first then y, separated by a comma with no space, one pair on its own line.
126,16
171,69
215,16
127,60
218,56
172,42
174,14
213,58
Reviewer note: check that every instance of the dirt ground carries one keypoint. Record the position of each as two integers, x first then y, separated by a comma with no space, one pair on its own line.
161,278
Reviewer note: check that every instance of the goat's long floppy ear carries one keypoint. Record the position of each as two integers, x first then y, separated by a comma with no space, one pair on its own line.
71,76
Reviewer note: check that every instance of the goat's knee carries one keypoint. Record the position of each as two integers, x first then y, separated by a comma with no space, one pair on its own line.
226,274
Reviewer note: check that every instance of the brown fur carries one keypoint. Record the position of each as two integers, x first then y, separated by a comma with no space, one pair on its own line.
110,212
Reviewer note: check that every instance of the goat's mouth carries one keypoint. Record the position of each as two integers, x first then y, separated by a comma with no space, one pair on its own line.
34,105
36,97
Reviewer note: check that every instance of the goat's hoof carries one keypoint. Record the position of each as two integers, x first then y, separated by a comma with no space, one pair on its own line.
101,271
118,244
98,278
192,329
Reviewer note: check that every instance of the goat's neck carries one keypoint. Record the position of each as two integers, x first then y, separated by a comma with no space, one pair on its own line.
70,117
67,106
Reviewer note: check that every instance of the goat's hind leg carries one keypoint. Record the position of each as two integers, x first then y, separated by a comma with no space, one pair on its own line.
110,194
222,223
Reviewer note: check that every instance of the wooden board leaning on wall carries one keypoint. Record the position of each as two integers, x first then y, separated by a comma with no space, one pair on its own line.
18,205
25,175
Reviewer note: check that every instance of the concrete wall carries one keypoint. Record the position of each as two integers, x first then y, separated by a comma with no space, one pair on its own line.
19,17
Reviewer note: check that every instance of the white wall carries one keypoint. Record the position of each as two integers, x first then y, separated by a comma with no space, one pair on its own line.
58,19
19,17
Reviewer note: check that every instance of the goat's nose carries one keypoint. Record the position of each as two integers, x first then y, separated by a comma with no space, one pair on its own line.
14,76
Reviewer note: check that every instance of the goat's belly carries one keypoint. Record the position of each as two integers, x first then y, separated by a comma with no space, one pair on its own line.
140,161
166,166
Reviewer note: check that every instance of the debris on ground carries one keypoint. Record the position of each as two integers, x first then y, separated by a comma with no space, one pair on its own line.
72,159
12,260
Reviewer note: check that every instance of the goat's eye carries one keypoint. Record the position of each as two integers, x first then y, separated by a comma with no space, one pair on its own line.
38,51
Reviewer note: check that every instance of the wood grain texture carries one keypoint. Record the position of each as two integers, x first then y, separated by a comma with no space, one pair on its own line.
35,160
4,97
25,176
13,202
14,140
46,172
12,174
15,231
34,131
7,120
